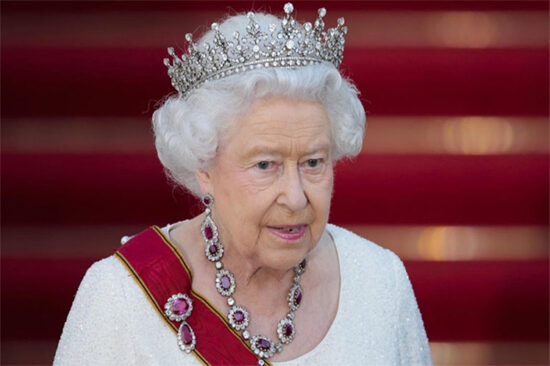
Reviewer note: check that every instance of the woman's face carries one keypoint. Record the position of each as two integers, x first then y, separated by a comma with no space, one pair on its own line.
272,182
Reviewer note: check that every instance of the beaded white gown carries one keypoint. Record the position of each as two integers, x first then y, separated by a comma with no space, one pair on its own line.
378,322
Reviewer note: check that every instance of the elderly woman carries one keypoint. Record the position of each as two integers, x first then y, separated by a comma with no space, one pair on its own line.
261,116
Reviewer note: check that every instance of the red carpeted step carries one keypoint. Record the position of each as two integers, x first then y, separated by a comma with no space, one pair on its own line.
460,301
118,81
447,189
373,189
89,189
505,300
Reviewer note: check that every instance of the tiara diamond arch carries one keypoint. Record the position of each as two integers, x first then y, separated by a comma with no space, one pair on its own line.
288,45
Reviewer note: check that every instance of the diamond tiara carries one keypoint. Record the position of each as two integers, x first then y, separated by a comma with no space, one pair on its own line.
290,45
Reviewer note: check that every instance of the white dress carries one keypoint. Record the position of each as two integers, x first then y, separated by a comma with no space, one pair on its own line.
111,321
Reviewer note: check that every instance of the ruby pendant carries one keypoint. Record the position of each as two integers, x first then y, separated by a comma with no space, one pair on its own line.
214,250
295,297
178,307
286,330
186,338
225,282
238,318
262,346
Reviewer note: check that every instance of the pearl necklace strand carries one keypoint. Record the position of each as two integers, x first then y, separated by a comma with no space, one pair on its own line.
238,317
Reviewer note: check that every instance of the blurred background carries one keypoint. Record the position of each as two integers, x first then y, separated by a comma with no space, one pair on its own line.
453,176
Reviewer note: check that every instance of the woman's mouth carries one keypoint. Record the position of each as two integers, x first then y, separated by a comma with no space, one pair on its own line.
290,233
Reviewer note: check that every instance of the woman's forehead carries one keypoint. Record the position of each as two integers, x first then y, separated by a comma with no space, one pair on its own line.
276,116
274,124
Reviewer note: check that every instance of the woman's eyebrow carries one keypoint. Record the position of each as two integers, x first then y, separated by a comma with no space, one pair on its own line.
261,149
321,146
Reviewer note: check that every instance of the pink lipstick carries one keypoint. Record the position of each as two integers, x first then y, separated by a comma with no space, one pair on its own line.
289,233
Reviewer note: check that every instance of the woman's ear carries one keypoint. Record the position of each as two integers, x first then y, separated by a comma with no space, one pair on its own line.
205,181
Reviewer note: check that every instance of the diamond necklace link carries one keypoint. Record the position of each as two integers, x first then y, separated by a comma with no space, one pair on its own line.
238,317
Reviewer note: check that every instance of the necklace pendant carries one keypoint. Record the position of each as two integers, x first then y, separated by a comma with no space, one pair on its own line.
238,318
295,297
214,251
262,346
225,282
286,331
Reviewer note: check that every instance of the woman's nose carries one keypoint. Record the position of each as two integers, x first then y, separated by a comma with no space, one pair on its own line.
292,192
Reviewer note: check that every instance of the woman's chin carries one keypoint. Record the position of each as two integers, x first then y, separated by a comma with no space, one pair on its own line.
280,257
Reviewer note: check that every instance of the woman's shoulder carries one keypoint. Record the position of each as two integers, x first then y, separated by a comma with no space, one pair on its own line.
108,265
100,299
105,282
108,270
108,282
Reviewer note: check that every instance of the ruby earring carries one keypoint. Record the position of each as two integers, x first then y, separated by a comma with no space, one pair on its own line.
214,248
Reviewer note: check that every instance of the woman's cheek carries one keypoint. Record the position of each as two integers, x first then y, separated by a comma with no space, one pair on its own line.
259,181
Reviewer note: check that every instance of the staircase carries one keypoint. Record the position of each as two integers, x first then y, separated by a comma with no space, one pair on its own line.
453,176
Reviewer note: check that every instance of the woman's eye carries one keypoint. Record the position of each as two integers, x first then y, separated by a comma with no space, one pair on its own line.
264,165
313,163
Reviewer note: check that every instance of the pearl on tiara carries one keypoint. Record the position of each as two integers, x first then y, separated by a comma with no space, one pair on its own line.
289,45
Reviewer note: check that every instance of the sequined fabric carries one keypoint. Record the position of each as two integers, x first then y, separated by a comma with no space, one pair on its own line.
378,321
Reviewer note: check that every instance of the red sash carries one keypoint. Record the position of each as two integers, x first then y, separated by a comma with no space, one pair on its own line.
161,271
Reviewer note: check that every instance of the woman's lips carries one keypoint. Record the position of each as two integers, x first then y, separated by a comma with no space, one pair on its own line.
288,233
